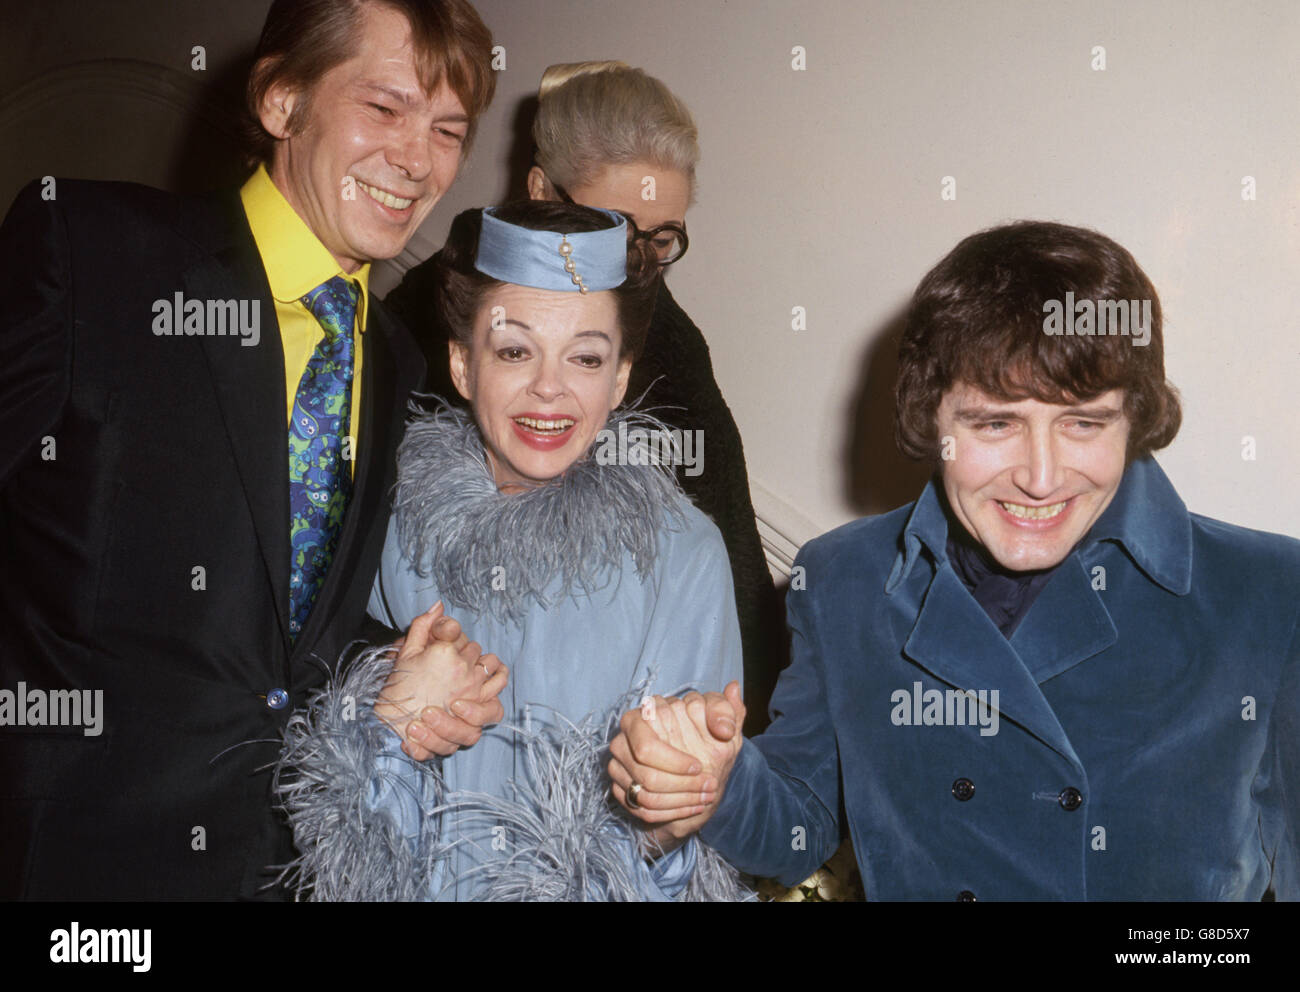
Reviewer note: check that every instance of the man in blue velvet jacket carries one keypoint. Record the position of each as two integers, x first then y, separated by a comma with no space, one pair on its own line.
1044,679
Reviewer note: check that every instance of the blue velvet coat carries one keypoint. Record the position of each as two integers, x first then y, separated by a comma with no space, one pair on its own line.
1147,741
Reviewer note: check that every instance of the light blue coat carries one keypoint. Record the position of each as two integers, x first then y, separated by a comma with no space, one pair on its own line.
677,630
596,588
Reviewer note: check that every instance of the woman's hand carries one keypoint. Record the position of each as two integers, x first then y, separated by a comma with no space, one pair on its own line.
680,751
438,665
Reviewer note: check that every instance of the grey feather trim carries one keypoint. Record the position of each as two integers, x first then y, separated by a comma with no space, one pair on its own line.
326,773
455,524
714,879
566,838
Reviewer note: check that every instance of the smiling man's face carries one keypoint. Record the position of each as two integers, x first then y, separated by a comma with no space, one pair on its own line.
1028,479
368,119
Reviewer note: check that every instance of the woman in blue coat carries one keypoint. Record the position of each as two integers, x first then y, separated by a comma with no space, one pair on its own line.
1044,679
611,136
555,532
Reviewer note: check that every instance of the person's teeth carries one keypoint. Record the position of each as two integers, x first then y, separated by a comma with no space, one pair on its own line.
387,199
1033,512
563,423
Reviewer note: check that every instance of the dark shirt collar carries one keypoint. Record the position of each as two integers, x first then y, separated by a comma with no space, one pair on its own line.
1005,596
1147,518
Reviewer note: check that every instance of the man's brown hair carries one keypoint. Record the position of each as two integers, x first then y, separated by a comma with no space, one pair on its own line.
978,318
304,39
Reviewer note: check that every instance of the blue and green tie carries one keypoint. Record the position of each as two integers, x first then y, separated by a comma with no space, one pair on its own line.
319,478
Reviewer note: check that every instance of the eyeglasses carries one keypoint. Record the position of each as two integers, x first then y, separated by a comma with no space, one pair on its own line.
669,241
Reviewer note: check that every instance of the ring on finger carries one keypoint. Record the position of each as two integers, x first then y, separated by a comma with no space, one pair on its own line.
633,791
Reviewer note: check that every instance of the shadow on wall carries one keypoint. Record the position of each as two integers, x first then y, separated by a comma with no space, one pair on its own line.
879,477
520,158
212,156
126,120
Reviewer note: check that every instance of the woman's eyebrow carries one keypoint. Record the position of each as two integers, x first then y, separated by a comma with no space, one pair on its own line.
522,326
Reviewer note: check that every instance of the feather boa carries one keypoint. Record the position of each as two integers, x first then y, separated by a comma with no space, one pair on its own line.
569,841
323,780
455,524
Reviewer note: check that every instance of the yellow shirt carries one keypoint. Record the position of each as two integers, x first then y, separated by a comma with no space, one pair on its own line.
296,263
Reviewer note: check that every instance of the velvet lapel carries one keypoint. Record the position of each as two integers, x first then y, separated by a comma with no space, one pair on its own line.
1067,624
956,642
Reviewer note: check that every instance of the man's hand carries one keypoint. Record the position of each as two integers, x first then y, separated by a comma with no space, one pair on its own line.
680,751
444,679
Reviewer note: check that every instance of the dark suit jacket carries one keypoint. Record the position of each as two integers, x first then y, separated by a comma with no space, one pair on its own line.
162,455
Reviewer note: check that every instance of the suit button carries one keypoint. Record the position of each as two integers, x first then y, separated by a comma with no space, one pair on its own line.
963,789
966,895
278,699
1070,799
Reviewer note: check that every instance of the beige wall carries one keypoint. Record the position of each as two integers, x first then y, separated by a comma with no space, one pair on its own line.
821,189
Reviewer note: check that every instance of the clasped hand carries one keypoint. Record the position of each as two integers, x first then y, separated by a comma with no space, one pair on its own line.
680,752
443,690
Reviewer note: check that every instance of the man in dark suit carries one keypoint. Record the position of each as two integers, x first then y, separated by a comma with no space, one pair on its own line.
201,405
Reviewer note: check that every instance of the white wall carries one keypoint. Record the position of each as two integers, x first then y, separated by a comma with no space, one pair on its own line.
821,189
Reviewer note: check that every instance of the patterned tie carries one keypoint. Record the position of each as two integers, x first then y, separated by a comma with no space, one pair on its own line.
319,479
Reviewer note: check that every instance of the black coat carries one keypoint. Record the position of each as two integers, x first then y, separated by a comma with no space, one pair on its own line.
676,377
169,455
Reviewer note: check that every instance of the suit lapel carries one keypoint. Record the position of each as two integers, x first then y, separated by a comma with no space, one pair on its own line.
249,385
382,411
250,388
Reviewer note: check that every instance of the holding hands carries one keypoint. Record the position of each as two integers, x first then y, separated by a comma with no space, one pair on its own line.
443,690
670,762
